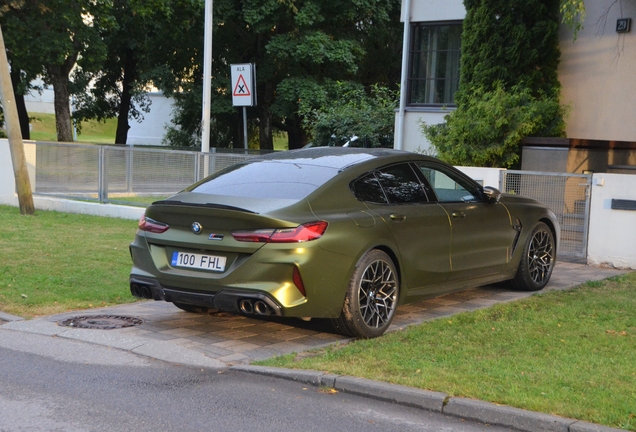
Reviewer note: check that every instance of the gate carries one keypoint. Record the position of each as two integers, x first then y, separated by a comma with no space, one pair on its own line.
567,195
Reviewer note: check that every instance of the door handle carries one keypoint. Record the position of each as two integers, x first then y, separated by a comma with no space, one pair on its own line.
397,218
458,214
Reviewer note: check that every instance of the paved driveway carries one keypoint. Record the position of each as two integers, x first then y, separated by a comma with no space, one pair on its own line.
220,339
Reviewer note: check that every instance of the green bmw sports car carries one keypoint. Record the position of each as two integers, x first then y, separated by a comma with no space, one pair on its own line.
341,233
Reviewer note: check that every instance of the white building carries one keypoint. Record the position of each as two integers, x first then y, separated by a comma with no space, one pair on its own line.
596,73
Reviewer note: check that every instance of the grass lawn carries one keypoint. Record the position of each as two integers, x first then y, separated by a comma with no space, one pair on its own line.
569,353
90,132
54,262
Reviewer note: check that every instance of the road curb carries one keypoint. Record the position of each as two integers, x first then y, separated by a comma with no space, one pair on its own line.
9,318
506,416
470,409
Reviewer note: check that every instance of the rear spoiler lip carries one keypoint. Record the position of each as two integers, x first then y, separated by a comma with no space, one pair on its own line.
207,205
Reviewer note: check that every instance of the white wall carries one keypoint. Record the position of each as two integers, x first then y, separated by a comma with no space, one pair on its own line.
414,140
597,74
37,102
435,10
153,127
612,239
485,176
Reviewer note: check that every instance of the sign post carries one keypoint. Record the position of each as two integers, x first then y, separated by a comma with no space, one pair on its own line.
244,90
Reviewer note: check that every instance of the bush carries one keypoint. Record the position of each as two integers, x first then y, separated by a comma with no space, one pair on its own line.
487,129
354,113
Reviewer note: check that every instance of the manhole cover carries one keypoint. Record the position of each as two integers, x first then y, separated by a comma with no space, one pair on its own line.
101,322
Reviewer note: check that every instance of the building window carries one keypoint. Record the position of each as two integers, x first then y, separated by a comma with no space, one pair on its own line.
434,71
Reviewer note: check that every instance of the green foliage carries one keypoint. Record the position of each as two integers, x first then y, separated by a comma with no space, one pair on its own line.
487,129
300,49
508,86
509,42
573,14
354,113
51,38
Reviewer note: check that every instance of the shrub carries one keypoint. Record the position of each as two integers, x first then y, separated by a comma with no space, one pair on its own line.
487,129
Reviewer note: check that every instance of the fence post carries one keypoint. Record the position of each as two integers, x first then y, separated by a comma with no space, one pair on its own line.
129,169
197,163
102,193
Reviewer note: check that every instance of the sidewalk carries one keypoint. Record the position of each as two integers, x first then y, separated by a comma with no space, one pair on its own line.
221,340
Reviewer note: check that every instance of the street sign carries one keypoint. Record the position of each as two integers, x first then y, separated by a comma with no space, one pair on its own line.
243,84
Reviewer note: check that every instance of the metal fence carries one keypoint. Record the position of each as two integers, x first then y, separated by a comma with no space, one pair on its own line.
567,195
130,175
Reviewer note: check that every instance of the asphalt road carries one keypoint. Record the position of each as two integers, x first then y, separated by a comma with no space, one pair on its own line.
53,384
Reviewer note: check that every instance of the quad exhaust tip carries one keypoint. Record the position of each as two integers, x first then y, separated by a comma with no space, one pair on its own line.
255,307
141,291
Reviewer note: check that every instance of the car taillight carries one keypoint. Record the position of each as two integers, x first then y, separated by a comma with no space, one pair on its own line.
151,225
302,233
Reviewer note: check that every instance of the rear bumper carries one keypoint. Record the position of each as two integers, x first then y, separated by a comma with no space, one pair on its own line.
230,300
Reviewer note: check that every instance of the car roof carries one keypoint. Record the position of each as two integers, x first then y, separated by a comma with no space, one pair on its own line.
336,157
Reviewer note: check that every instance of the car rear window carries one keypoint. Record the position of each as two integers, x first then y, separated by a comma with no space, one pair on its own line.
266,179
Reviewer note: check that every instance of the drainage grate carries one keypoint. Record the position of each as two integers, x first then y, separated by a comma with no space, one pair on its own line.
101,322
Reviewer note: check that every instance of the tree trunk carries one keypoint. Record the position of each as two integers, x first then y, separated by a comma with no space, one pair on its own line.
61,97
23,115
236,121
266,137
130,76
296,135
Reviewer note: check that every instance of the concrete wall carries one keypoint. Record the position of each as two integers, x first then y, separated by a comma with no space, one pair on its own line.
597,74
435,10
40,102
612,239
484,176
153,127
414,140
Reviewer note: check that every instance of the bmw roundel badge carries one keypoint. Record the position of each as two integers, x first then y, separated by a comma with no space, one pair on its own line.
197,228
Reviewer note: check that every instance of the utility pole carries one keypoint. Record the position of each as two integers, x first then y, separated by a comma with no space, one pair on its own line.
7,98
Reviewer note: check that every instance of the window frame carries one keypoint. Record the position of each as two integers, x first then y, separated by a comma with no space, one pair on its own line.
470,185
411,79
429,195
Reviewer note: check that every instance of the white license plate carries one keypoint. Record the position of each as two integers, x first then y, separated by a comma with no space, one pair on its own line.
198,261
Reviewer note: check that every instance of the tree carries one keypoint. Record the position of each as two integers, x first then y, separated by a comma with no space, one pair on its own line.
57,35
354,113
508,83
301,49
508,42
150,42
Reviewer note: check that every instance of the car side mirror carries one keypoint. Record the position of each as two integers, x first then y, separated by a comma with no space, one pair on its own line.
492,194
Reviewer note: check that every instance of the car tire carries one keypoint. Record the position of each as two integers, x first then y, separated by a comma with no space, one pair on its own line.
191,308
537,260
371,297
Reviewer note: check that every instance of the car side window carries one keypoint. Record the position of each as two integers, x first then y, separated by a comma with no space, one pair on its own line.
448,186
368,189
401,185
